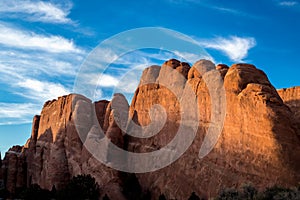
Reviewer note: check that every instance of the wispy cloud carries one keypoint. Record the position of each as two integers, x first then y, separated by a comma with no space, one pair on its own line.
228,10
30,67
288,3
236,48
36,10
17,113
34,67
19,63
220,7
23,84
123,73
234,12
24,39
103,80
192,58
41,90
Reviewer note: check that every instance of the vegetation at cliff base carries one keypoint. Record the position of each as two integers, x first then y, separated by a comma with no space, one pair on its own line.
248,192
81,187
85,187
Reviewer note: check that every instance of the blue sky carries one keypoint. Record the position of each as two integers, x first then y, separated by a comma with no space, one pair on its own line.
44,43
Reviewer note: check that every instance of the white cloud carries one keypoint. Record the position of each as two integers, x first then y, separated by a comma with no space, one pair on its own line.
34,91
107,81
288,3
236,48
17,113
27,40
26,55
36,10
212,6
107,55
18,71
192,58
228,10
18,64
11,110
41,91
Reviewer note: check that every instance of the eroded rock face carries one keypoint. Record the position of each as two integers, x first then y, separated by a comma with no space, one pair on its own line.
291,97
56,149
14,168
258,142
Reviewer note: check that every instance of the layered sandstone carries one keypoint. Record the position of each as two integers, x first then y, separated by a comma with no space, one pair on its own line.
55,151
291,98
14,168
258,142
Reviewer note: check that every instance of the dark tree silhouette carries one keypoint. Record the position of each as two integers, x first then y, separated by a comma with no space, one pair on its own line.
162,197
106,197
194,197
81,187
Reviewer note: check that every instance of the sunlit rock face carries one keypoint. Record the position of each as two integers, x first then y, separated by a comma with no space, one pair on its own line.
258,144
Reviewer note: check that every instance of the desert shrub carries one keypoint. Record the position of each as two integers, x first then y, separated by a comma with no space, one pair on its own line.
34,192
194,196
280,193
145,195
131,187
248,192
4,193
228,194
105,197
80,187
162,197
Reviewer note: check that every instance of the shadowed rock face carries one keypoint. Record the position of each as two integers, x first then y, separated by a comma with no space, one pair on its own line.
55,151
291,97
1,174
258,143
14,168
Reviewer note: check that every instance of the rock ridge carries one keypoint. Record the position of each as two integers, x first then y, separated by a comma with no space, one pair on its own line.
259,142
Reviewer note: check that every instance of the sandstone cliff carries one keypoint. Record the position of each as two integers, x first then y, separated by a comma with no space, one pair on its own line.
55,152
291,98
14,168
258,142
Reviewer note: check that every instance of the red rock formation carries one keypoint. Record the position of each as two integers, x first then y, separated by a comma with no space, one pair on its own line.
55,151
291,97
258,142
15,168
